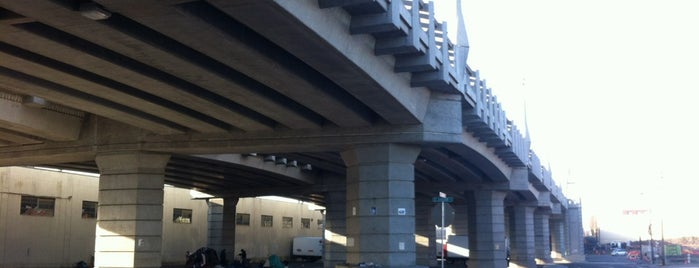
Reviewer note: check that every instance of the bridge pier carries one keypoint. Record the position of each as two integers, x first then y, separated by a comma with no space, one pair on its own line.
460,225
335,225
558,238
542,236
222,226
130,213
522,236
425,231
486,221
381,204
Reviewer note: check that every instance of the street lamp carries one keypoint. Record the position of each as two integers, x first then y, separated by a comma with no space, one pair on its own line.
662,241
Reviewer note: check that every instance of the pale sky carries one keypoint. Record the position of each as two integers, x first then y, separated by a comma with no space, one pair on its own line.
609,87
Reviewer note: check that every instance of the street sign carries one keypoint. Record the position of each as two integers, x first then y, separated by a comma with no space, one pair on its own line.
448,199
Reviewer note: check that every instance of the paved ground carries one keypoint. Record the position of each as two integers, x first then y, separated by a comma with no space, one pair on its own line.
593,261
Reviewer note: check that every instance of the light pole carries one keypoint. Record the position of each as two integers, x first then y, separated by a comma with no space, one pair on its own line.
662,240
650,243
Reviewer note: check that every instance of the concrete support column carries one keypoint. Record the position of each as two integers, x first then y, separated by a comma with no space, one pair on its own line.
558,238
460,225
574,232
425,230
522,236
335,251
381,204
222,225
486,230
130,213
542,236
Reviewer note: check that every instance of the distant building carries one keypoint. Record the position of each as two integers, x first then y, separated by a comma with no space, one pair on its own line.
48,219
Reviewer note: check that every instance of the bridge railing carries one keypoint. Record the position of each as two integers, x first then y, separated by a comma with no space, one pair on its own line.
488,121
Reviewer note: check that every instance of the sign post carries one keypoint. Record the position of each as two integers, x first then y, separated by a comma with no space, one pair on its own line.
442,199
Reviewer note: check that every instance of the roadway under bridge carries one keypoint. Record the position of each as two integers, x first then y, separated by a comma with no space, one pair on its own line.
363,106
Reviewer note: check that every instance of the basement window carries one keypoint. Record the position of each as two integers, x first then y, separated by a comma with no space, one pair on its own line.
266,221
305,223
37,206
89,210
182,215
242,219
287,222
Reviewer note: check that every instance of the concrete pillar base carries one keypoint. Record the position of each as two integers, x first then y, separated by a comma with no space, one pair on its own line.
335,225
522,237
486,229
130,213
381,204
543,237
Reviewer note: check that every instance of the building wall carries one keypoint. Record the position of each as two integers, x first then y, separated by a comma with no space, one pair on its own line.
45,241
179,238
67,237
260,242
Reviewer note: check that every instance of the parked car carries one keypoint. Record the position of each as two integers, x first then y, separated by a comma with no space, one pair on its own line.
619,252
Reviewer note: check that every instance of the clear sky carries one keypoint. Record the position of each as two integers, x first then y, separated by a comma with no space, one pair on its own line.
610,88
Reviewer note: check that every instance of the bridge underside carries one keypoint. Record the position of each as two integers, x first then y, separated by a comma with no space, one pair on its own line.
259,97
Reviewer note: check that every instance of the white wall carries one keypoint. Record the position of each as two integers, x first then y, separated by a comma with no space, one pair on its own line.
45,241
179,238
261,242
66,238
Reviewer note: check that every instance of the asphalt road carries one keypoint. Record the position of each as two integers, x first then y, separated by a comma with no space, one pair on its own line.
606,261
592,261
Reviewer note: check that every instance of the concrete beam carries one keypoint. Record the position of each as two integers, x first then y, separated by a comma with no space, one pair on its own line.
20,82
109,135
347,60
17,138
134,75
195,24
38,122
96,86
121,37
257,163
478,154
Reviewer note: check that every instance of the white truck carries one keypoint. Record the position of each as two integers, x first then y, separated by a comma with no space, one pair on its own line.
307,247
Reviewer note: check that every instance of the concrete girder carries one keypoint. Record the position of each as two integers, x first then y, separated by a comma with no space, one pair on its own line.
479,154
9,138
19,82
103,137
519,184
38,122
121,35
133,76
257,163
195,24
340,57
289,141
103,92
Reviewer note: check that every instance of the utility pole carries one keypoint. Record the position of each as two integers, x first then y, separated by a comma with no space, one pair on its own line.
650,243
662,239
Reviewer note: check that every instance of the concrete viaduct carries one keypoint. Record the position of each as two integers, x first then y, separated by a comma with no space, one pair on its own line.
364,106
